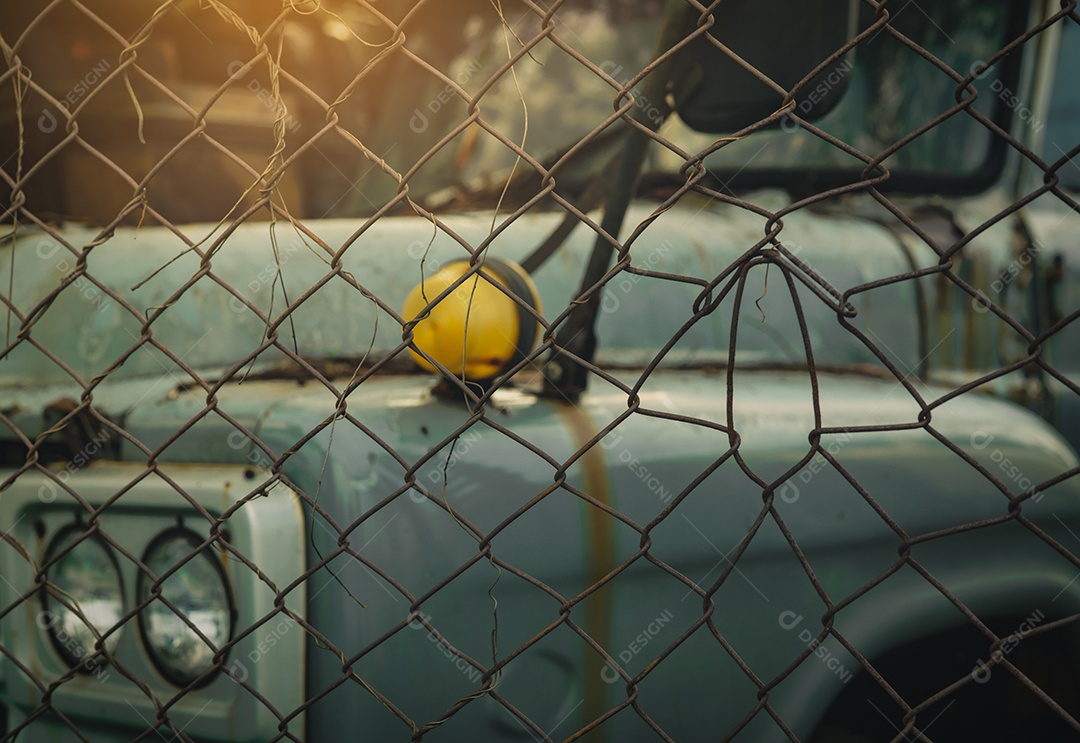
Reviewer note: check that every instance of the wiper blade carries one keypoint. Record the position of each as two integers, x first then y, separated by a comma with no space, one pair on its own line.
566,373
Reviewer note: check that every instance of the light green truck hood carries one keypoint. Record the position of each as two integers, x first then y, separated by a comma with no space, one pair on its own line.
412,511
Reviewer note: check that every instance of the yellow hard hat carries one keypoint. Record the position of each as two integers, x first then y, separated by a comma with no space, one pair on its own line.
500,331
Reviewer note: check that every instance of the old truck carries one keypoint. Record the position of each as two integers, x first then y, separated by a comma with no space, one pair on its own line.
793,459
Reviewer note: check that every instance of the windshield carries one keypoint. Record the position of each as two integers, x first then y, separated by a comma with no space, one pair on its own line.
554,100
891,92
361,116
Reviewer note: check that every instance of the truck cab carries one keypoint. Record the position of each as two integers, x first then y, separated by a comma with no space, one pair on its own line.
488,375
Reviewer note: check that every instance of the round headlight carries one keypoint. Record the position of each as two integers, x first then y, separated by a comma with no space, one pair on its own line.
199,591
87,579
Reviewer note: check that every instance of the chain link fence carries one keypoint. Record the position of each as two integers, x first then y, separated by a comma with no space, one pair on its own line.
508,370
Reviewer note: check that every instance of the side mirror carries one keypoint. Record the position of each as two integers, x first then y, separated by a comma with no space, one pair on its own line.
783,39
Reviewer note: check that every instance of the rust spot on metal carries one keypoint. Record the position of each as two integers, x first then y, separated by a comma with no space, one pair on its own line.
601,561
78,430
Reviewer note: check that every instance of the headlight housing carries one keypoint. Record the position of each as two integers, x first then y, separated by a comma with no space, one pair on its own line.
199,590
86,579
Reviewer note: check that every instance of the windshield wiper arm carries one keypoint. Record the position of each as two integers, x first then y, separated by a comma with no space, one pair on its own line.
566,372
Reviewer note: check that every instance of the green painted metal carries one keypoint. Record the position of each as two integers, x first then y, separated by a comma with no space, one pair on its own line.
646,463
212,327
641,465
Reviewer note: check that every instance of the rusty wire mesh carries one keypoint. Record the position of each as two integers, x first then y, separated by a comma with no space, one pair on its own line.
236,129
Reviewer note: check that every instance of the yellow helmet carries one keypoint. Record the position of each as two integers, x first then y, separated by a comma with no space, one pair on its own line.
500,332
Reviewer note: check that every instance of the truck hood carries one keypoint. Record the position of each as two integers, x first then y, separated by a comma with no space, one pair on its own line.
349,282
